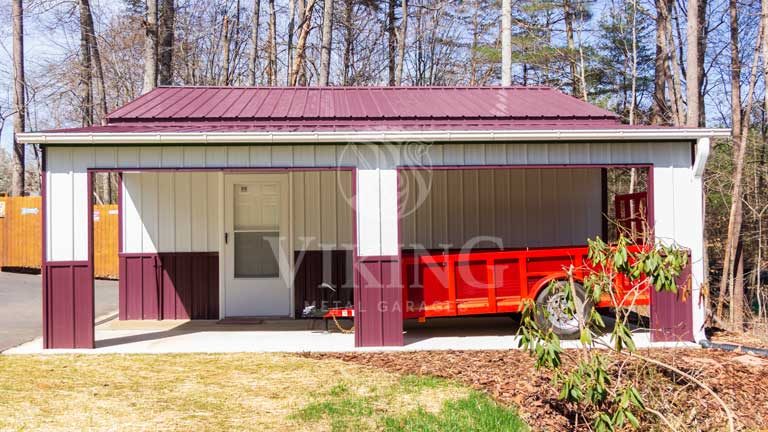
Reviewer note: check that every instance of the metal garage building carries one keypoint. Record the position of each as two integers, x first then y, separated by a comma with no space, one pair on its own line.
238,202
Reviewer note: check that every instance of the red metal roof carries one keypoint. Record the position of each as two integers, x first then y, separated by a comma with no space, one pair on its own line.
266,109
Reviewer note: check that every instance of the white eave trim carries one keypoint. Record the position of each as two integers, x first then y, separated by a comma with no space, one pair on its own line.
369,137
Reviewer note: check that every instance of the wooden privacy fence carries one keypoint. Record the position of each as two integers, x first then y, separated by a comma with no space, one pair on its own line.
21,235
105,226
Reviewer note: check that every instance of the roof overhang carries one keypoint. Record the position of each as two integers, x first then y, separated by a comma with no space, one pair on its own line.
330,137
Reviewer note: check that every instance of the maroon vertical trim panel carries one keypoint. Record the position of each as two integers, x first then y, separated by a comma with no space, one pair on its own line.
44,258
150,301
85,285
169,285
68,306
182,281
119,211
672,313
378,302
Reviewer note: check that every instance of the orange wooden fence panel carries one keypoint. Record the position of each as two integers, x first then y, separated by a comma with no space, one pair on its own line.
21,235
22,246
105,225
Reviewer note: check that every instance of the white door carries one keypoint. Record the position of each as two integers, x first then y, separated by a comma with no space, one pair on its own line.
257,255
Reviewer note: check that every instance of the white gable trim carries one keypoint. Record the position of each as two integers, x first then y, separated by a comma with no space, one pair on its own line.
372,136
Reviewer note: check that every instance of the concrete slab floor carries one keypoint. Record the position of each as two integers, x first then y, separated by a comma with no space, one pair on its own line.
159,337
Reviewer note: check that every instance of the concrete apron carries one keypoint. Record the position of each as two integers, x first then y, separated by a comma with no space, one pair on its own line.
162,337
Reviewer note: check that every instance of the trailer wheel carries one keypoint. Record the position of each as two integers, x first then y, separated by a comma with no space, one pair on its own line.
556,317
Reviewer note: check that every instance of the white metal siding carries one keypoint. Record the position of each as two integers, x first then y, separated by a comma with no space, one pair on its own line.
178,211
322,210
521,207
376,188
170,212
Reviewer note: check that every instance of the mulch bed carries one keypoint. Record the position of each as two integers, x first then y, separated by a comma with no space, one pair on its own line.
511,378
754,338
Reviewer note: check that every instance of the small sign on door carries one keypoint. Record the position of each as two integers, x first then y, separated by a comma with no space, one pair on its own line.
2,209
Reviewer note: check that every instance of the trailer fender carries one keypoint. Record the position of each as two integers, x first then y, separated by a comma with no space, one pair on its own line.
544,282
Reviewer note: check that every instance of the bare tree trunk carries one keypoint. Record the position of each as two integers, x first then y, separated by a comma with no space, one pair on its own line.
325,44
391,42
568,18
272,63
633,101
659,106
733,10
235,38
19,100
677,88
291,29
737,290
702,41
225,51
165,50
582,70
734,219
254,55
506,42
349,9
401,38
691,64
98,69
475,43
301,43
150,47
85,83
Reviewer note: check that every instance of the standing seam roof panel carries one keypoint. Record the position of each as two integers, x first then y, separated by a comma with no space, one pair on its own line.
257,105
283,104
231,105
385,104
165,108
190,104
138,103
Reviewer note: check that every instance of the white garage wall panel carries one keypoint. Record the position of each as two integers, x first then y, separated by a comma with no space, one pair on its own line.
374,156
375,187
170,212
178,211
322,210
520,207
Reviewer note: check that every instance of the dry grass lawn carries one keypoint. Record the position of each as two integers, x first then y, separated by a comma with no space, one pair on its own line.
210,392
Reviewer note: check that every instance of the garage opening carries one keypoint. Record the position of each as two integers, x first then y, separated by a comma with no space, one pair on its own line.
479,242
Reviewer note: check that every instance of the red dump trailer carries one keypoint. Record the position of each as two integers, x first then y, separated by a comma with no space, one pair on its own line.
481,282
452,284
491,282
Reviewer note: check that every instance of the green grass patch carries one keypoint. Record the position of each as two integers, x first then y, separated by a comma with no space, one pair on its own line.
476,412
414,403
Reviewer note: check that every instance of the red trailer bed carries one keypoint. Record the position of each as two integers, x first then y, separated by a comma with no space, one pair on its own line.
439,284
442,284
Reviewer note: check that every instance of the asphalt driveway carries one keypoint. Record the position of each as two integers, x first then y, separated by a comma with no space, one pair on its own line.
21,306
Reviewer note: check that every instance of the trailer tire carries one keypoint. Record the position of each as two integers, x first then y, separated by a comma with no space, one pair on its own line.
555,317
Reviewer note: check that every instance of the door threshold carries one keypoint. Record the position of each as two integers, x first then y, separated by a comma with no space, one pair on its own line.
251,319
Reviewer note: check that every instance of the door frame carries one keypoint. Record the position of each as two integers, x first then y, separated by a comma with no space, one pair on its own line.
226,176
276,170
